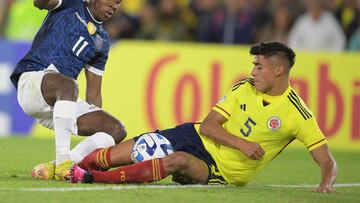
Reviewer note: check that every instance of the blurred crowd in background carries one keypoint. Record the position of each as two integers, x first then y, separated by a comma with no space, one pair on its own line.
312,25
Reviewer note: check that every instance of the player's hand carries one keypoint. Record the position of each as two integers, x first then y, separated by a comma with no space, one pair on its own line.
324,189
252,150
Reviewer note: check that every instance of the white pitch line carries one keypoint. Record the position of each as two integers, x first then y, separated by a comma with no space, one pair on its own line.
310,186
132,187
120,187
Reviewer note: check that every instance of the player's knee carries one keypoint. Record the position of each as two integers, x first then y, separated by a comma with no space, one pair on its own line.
179,161
118,131
68,90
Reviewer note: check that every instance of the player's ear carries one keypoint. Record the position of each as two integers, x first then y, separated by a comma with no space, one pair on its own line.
279,70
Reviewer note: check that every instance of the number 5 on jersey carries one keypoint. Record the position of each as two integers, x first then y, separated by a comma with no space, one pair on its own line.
248,126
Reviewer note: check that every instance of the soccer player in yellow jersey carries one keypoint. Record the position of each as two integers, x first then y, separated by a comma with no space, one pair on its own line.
256,119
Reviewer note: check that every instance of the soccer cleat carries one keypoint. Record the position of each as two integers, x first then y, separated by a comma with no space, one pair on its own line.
63,170
44,171
79,175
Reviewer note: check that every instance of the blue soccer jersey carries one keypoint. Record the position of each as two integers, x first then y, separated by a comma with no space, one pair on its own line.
69,40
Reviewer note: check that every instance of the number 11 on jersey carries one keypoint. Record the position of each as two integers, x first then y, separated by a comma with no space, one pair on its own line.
84,44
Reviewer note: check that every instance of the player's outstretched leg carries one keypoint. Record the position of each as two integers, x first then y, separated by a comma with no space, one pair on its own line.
105,158
187,167
142,172
97,160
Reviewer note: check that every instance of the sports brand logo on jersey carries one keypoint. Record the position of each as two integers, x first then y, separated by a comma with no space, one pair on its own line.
98,42
274,123
243,107
222,99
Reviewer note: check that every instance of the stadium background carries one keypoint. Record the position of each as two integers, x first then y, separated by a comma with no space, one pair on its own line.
151,85
158,84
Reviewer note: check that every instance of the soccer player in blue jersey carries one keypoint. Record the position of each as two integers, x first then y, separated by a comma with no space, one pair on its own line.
256,119
70,39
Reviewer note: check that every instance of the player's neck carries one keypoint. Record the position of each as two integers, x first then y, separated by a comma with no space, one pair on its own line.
279,88
93,13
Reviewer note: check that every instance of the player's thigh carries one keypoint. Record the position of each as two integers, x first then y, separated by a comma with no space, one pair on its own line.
186,168
56,86
30,97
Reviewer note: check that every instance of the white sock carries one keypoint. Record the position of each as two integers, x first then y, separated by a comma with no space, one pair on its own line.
89,144
64,118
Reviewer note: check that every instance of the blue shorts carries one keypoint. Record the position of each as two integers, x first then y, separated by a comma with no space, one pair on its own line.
185,138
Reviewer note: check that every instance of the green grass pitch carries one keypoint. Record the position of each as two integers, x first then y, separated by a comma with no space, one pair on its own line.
289,178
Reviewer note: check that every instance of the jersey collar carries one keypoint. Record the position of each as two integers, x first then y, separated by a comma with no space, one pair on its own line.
96,21
271,99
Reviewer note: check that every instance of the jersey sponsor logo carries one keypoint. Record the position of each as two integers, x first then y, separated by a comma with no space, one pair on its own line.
91,28
274,123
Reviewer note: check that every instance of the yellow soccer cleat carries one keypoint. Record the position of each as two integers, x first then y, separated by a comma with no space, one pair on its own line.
44,171
63,170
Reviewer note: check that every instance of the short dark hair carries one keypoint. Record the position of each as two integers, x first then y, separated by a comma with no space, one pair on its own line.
268,49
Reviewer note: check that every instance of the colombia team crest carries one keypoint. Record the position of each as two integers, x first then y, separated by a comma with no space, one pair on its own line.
274,123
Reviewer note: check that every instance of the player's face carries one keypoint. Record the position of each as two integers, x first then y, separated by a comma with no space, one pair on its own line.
102,10
264,73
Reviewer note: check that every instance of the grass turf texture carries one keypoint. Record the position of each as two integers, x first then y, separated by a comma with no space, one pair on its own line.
291,167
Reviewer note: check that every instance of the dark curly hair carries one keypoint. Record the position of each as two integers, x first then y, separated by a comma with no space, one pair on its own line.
268,49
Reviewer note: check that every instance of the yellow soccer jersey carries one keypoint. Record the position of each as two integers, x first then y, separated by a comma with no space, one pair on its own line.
273,126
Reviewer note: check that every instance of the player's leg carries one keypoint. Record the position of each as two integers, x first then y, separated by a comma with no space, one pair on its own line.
105,158
191,169
61,92
90,119
182,164
186,168
37,93
102,129
101,121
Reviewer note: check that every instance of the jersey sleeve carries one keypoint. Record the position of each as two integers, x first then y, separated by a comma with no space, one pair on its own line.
97,65
310,134
225,105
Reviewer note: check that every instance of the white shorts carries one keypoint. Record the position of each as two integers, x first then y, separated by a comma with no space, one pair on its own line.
33,103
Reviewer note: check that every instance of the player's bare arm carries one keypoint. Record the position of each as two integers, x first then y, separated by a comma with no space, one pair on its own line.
212,128
93,88
327,164
46,4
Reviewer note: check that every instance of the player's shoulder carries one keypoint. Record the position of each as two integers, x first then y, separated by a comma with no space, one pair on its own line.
246,83
65,4
297,105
